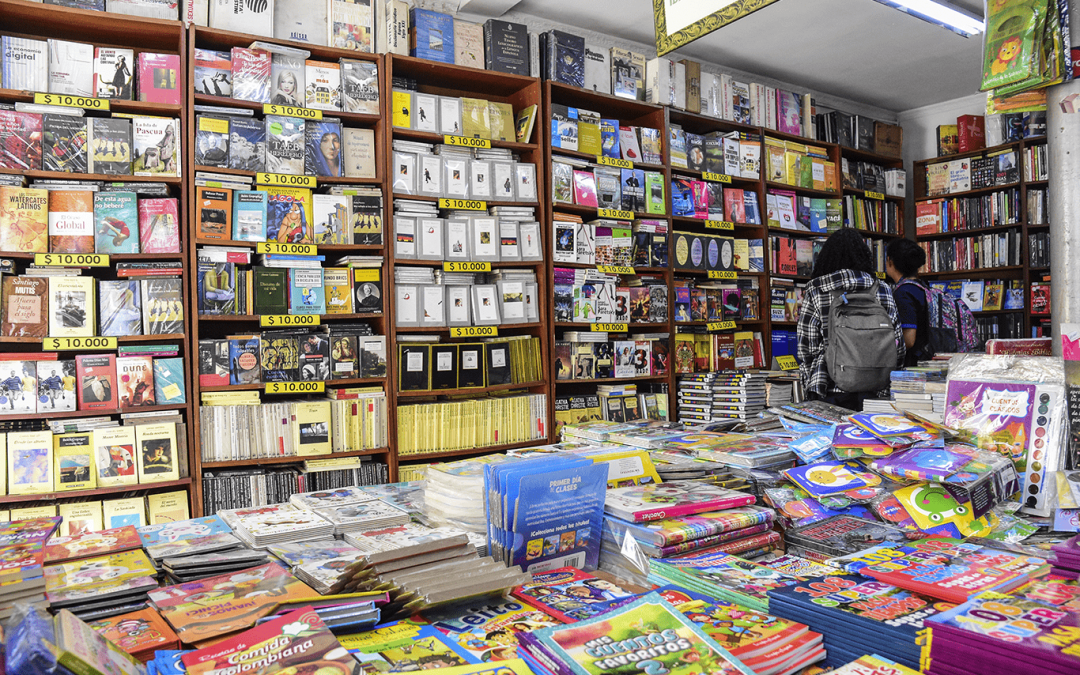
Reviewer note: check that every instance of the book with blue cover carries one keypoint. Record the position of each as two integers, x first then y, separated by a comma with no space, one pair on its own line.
169,386
322,143
116,222
170,533
306,293
244,367
247,144
431,35
723,576
249,215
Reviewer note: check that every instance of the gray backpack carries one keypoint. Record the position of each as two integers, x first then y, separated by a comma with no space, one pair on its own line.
861,353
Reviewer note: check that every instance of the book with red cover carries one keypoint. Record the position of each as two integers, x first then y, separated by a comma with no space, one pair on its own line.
1040,298
928,217
972,131
787,262
21,561
1021,346
140,633
71,221
33,530
584,189
955,571
90,544
159,226
734,205
95,376
20,140
159,78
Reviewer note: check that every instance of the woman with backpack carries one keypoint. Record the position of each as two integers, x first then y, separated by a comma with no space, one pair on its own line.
850,339
903,259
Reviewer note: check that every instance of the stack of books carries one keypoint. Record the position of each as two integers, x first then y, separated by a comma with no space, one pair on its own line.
140,644
22,547
920,390
317,563
723,576
194,549
711,397
100,587
363,516
454,493
260,527
743,531
1067,558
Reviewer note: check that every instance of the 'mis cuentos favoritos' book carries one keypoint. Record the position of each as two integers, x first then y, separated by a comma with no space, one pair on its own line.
135,381
109,141
95,376
25,307
167,507
323,85
649,628
121,307
159,225
169,380
284,145
71,68
114,456
156,146
116,222
159,78
156,449
24,220
71,221
113,72
25,64
311,433
29,462
359,86
64,147
73,456
72,307
163,307
640,503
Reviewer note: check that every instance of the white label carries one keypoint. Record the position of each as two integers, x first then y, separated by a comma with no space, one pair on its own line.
444,361
1007,403
343,367
414,362
307,278
573,560
71,224
624,467
470,360
817,170
498,358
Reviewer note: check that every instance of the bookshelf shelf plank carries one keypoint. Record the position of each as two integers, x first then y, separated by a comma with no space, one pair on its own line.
96,492
772,185
430,137
467,452
327,180
970,193
66,414
109,178
169,337
446,329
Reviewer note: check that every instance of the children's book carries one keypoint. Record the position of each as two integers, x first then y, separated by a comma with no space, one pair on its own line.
81,649
91,544
196,545
895,430
35,530
724,577
485,628
98,578
569,594
170,533
404,645
138,633
672,643
671,531
832,477
642,503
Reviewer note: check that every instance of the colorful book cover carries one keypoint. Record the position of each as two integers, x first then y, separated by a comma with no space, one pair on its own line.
135,380
73,454
746,634
954,571
24,218
29,462
671,643
163,306
285,145
672,499
71,221
159,226
116,222
288,214
671,531
157,452
92,544
996,416
35,530
402,646
156,147
568,594
249,215
20,140
832,477
486,628
219,605
724,577
22,561
136,632
73,582
322,148
96,381
169,381
171,533
159,78
83,650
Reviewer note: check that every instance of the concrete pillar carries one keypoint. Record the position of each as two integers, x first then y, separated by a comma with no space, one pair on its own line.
1063,140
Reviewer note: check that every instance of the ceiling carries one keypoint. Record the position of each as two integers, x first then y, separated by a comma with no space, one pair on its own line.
857,49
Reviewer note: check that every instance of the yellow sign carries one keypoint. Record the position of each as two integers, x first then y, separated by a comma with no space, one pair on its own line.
716,274
288,249
474,331
615,213
466,267
290,111
274,320
609,327
787,363
617,163
214,125
463,204
56,344
873,195
879,275
286,179
716,177
72,101
721,325
679,23
72,259
295,387
719,225
467,142
615,269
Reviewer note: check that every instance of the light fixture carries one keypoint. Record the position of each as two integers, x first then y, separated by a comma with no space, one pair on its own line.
940,14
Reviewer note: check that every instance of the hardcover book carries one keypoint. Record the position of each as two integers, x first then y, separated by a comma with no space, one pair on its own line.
506,47
431,35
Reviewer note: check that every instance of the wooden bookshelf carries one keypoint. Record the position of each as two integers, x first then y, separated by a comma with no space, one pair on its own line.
1023,272
220,326
29,19
520,92
886,162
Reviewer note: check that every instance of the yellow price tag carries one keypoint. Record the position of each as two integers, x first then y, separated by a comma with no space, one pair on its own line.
721,325
474,331
466,267
463,204
291,111
275,320
617,163
609,327
72,259
466,142
615,213
286,179
873,195
719,225
615,269
879,275
295,387
717,274
715,177
787,363
56,344
72,101
288,249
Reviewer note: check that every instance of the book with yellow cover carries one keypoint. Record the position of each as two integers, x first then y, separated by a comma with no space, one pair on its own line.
80,518
114,456
32,512
475,118
337,287
311,433
288,214
121,512
993,295
589,132
402,109
73,461
168,507
501,116
157,452
29,459
24,220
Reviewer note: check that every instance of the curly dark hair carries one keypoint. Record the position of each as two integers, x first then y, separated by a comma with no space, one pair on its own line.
844,250
906,256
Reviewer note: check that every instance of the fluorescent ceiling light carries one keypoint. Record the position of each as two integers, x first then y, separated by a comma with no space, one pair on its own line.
941,14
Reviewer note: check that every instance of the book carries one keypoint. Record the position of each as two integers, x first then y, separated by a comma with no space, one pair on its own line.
25,64
25,306
114,456
359,86
71,221
116,222
468,44
121,307
404,645
157,452
323,80
73,457
358,152
247,144
56,385
213,73
29,462
92,544
506,47
300,22
212,141
284,145
96,381
72,307
135,377
24,219
641,503
724,577
163,307
249,215
167,507
569,594
351,25
110,146
80,518
112,73
121,512
251,75
323,148
159,78
431,35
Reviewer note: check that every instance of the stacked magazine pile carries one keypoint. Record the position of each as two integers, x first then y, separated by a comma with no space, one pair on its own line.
102,586
318,563
260,526
197,548
454,493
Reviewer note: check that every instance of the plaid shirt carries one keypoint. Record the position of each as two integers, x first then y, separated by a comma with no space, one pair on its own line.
814,334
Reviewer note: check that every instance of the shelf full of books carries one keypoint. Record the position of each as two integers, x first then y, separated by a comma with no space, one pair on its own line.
469,309
982,216
93,311
288,257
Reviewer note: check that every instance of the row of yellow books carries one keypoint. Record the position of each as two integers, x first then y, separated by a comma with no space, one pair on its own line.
429,427
800,165
93,516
